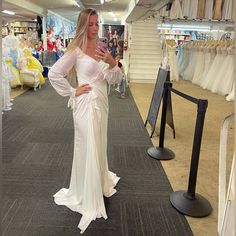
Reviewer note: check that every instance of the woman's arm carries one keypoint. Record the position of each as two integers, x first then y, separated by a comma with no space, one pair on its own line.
112,73
60,69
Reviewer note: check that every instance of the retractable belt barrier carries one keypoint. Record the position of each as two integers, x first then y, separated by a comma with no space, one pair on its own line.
187,202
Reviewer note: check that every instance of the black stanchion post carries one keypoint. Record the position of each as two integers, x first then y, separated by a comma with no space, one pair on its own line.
161,153
191,203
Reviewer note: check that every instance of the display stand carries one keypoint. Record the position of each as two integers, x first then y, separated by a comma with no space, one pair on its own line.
160,152
188,202
162,77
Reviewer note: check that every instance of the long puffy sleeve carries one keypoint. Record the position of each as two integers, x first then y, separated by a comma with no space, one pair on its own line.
58,72
113,75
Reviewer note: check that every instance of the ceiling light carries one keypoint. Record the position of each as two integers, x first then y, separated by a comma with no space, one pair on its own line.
102,1
9,12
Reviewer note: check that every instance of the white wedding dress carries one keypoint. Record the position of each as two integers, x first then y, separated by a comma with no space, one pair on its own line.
90,176
199,67
224,79
209,80
209,9
227,10
189,70
172,60
176,10
185,8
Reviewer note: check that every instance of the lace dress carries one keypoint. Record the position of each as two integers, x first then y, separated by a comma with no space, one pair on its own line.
90,176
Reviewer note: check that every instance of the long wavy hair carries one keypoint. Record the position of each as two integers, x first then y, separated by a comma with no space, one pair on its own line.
80,39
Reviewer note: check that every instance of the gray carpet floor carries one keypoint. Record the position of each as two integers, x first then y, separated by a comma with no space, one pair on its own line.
37,159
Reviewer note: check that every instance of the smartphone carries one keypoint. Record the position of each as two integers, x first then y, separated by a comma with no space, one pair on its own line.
102,44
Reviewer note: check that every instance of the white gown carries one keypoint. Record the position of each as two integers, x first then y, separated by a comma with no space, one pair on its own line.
90,176
199,67
209,9
176,10
224,79
193,9
185,8
209,80
185,60
172,59
189,70
209,55
7,75
227,10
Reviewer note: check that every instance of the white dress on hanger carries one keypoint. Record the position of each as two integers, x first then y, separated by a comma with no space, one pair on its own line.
209,52
209,9
199,66
7,75
193,9
214,69
180,56
189,70
176,10
172,59
185,60
185,8
224,79
90,176
227,10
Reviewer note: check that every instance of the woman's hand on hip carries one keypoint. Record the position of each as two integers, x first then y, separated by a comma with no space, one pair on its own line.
81,89
106,57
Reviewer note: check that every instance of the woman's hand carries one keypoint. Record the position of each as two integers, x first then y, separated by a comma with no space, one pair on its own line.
81,89
104,55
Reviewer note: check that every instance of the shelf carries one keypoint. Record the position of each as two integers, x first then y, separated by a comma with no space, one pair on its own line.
174,34
200,21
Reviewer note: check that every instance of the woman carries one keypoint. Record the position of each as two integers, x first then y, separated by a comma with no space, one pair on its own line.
90,177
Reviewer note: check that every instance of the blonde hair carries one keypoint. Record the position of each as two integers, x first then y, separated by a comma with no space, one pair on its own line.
80,39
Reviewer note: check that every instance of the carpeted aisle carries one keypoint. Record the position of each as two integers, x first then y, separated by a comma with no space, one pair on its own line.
37,158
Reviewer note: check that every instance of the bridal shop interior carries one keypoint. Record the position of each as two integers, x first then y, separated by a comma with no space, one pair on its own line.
189,42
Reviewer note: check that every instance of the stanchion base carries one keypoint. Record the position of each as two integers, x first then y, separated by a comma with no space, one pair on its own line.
197,207
160,153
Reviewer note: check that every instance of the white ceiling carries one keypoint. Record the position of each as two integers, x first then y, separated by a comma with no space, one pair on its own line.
20,13
69,10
